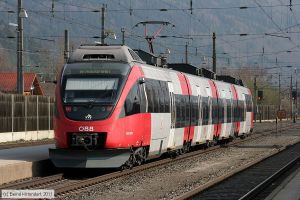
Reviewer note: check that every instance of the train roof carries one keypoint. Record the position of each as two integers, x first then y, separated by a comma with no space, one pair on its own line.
191,69
122,53
117,53
230,79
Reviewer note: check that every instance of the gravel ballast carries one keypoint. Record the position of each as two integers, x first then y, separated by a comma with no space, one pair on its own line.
172,180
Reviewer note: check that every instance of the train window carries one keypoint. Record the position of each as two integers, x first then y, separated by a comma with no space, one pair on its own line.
239,111
229,107
235,109
161,97
155,87
181,107
249,103
187,111
132,102
178,111
205,108
243,110
196,111
215,110
158,96
166,96
150,95
221,110
142,97
193,110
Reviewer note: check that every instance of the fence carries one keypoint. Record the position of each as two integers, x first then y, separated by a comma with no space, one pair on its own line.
33,113
20,113
268,112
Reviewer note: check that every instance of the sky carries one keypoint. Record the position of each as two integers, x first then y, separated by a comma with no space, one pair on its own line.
250,33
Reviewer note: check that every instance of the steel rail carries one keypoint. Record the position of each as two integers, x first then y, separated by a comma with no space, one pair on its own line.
33,182
25,144
201,188
252,193
96,180
75,186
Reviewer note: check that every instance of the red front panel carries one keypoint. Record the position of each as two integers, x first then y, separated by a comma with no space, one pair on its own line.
123,132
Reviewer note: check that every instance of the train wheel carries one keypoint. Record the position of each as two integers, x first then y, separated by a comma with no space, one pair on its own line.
140,155
137,157
186,147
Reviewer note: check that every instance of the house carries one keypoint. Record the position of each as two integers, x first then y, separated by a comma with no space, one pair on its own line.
8,83
48,88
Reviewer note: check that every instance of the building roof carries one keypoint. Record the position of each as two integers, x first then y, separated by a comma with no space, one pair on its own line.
8,82
48,88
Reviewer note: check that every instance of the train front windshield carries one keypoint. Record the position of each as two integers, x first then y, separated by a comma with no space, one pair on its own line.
94,84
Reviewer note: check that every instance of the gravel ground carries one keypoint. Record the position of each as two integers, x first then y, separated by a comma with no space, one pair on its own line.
174,179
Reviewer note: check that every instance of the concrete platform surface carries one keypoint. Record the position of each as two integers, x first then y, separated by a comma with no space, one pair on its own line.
23,162
289,188
27,136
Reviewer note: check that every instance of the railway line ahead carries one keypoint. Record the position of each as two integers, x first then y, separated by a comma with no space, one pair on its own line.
172,176
255,180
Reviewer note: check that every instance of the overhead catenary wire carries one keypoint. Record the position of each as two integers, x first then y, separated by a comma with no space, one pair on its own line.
68,20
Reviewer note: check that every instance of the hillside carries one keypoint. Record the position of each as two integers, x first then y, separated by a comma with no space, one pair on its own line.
46,24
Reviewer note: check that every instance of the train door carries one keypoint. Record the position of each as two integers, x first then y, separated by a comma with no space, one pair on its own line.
241,114
171,143
222,114
200,136
210,126
245,116
230,115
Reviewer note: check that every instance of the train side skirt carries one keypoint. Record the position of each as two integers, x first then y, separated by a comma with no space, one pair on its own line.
104,158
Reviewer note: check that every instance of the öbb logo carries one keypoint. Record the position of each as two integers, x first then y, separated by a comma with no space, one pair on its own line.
86,128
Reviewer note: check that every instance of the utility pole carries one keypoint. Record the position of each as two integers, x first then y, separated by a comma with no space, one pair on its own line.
123,36
186,53
103,23
279,94
296,103
291,99
20,46
214,57
255,98
67,50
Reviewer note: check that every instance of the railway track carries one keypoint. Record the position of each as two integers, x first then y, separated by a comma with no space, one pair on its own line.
254,181
25,144
64,185
261,190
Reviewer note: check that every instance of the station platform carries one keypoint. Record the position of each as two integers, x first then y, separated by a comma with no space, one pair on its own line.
288,189
24,162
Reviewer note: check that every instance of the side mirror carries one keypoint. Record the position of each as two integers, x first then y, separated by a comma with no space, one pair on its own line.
142,81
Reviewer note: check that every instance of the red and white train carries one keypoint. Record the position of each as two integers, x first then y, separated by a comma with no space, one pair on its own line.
114,110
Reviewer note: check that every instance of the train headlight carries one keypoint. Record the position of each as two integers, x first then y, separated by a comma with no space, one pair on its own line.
87,140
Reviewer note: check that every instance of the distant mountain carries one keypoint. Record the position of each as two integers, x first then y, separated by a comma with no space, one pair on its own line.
44,29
